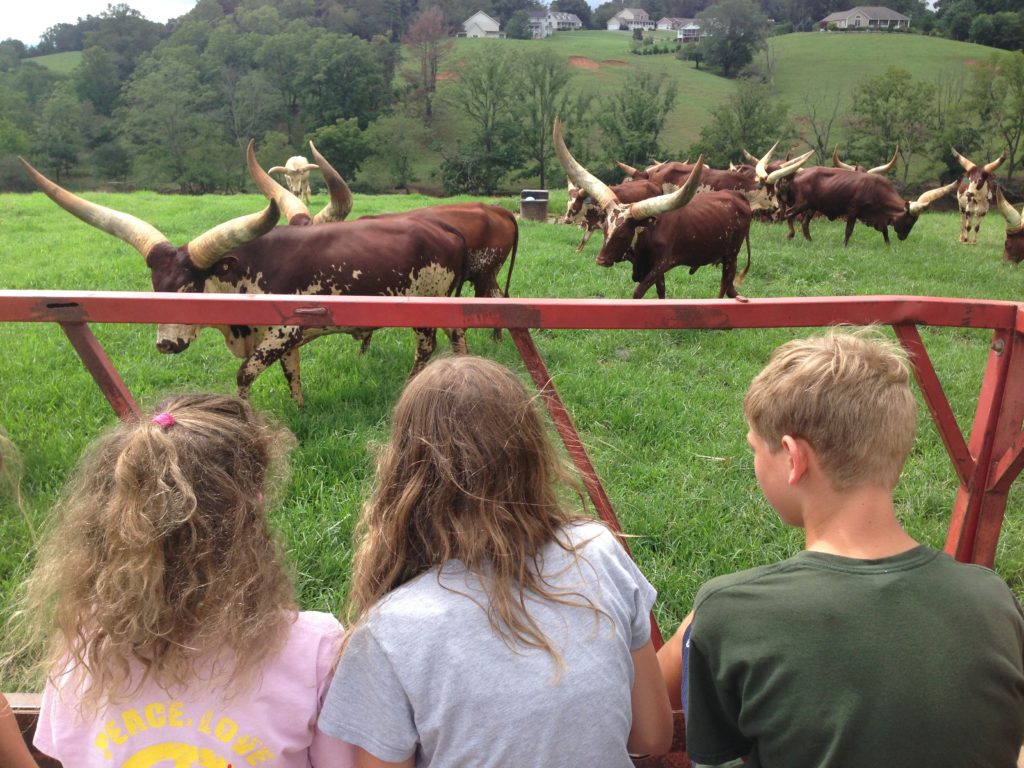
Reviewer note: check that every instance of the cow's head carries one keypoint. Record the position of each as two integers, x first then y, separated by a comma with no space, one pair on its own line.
296,172
174,269
574,213
338,207
623,223
976,177
769,180
880,169
905,221
1013,250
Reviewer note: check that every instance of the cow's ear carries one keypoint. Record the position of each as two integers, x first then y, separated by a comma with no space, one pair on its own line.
225,265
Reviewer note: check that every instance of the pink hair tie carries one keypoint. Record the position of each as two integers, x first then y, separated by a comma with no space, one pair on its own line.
165,420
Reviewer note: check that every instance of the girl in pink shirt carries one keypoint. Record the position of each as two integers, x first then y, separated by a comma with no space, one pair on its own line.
172,633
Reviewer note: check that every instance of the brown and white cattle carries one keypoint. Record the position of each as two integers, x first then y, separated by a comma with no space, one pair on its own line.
865,197
975,194
296,173
585,213
1013,248
838,163
670,230
251,255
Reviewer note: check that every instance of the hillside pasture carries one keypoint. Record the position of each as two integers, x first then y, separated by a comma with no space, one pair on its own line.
660,411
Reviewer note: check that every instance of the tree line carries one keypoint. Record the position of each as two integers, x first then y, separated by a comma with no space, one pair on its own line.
176,114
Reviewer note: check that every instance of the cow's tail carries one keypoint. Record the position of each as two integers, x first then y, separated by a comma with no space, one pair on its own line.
496,333
743,274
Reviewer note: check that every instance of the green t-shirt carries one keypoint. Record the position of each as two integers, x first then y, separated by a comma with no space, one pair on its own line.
822,661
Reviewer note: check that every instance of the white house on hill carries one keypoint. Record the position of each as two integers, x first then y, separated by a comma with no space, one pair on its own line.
544,23
481,25
631,18
866,17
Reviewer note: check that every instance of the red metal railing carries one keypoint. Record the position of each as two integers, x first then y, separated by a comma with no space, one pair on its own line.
985,466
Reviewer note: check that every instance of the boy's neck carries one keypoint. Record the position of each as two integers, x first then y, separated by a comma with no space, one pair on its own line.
859,523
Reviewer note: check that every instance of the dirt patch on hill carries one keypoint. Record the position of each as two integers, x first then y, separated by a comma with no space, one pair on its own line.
614,63
582,62
449,75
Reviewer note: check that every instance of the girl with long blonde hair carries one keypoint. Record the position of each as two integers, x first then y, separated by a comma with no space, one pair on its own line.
168,619
493,626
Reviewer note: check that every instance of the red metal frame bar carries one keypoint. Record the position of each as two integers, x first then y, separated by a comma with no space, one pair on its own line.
102,369
985,467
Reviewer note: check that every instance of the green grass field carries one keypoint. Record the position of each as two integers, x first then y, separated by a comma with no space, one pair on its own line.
660,411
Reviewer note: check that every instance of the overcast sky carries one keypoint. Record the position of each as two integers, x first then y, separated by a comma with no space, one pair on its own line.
26,20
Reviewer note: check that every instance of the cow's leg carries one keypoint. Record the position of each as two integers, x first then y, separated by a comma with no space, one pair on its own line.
885,234
977,227
805,224
659,285
277,342
851,222
728,285
965,226
583,243
792,230
290,366
651,278
426,341
364,335
457,337
489,288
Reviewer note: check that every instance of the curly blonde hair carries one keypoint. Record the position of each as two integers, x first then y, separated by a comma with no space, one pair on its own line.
469,474
159,556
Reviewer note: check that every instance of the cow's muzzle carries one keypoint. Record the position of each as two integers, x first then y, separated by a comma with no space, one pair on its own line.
171,346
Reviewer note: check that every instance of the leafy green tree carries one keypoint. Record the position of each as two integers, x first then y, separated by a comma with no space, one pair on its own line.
633,117
364,92
396,141
997,101
345,144
750,119
604,12
545,77
97,80
889,109
821,110
736,29
125,35
518,26
62,131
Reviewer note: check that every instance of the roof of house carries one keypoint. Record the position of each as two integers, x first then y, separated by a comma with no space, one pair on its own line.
481,13
563,16
879,12
636,13
674,20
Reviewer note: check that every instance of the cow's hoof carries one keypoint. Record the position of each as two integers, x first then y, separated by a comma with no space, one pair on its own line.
740,298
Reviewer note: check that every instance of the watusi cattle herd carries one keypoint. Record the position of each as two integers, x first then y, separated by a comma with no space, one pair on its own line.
666,215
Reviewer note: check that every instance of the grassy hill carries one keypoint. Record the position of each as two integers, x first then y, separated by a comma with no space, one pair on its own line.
61,63
806,65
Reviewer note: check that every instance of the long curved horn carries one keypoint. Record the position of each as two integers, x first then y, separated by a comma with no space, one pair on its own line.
308,167
888,166
749,156
340,204
292,208
655,206
277,169
919,206
207,249
760,170
579,175
839,163
964,162
136,232
789,168
991,167
1014,220
629,170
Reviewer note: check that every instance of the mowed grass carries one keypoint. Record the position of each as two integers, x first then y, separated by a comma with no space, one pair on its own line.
660,411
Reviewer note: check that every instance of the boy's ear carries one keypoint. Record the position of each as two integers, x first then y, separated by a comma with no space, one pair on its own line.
799,458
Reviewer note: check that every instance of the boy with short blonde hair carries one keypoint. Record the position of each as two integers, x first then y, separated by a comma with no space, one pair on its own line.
867,648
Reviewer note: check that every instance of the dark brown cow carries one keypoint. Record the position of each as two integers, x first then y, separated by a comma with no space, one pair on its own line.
585,213
405,257
1013,249
667,231
867,197
838,163
975,194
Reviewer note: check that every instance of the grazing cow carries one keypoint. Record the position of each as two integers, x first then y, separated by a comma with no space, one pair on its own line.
975,194
585,213
296,172
866,197
338,207
251,255
1013,249
837,163
676,229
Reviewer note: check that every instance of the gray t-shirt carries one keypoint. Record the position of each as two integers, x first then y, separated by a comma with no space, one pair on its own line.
426,668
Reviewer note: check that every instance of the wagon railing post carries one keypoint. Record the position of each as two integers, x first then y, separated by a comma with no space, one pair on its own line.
98,363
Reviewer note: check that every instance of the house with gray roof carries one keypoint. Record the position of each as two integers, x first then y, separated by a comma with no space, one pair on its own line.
866,17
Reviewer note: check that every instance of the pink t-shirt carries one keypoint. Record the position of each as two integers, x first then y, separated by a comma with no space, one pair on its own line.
273,724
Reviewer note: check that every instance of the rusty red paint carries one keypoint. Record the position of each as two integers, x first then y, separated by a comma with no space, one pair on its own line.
96,361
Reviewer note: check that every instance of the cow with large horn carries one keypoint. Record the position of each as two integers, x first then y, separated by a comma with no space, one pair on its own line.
587,214
838,163
669,230
252,255
865,197
296,173
975,194
1013,248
